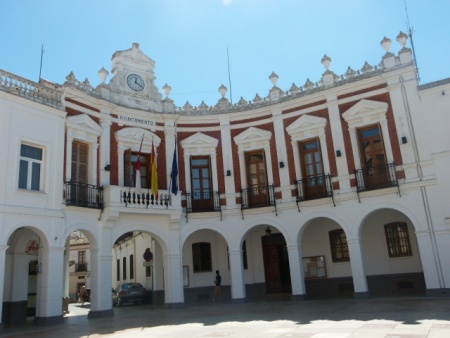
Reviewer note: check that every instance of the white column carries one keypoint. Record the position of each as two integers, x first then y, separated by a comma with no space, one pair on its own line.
296,269
3,249
173,271
357,265
338,143
428,260
237,275
50,286
105,149
227,155
280,144
66,270
101,275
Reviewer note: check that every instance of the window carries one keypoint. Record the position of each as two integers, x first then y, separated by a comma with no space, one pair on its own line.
371,147
80,162
118,269
131,266
314,184
130,159
258,191
30,167
397,239
124,268
202,196
201,254
338,245
82,265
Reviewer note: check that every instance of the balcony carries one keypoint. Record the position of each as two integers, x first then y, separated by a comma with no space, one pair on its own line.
205,201
377,177
314,187
84,195
258,197
81,267
116,197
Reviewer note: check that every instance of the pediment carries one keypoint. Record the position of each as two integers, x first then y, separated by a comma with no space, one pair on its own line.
84,123
306,123
132,55
365,108
253,134
199,140
133,137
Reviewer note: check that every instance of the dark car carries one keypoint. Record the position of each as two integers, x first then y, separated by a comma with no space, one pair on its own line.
130,293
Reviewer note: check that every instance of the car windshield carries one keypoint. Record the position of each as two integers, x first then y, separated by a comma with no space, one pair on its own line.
131,285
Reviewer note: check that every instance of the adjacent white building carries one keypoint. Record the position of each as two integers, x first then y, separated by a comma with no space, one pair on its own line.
333,188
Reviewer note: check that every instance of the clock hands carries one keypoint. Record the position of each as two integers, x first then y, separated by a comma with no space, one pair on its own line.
136,82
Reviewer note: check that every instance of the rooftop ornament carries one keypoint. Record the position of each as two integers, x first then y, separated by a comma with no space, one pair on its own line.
273,78
326,60
223,90
167,89
103,73
386,44
402,38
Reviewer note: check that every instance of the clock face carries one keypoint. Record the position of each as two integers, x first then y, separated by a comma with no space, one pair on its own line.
135,82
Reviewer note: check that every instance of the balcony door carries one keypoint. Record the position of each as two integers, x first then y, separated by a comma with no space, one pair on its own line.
373,157
130,159
202,195
258,190
78,190
314,185
80,152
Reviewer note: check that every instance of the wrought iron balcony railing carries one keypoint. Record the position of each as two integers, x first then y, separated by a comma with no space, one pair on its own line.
257,197
84,195
377,177
314,187
204,201
81,267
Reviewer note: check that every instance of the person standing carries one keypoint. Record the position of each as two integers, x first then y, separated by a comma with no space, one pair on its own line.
217,283
83,294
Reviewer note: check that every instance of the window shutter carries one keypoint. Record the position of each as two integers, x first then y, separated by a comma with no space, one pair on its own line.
80,153
128,170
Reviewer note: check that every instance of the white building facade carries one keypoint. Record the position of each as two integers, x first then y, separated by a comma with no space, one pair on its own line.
329,189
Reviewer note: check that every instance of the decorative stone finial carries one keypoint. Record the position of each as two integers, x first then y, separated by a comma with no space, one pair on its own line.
166,88
223,90
135,45
386,44
274,78
402,38
103,73
326,61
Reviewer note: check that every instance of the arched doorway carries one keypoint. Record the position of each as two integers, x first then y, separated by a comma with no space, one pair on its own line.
23,266
276,263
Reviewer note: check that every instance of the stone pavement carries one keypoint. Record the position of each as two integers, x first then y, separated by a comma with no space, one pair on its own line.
390,317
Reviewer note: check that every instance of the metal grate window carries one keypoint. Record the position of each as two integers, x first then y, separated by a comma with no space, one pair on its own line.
201,254
397,239
339,246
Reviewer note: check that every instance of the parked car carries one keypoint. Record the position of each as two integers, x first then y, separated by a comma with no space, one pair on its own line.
129,293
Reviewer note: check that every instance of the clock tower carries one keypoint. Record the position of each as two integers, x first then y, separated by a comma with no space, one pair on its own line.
133,82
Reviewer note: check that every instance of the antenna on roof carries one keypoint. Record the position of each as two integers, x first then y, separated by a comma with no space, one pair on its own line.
229,77
410,34
40,68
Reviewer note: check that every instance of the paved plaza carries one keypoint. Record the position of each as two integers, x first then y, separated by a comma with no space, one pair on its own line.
393,317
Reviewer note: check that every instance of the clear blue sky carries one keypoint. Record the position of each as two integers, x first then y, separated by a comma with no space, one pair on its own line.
188,40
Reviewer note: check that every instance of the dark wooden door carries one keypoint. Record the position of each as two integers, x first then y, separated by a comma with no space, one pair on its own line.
276,264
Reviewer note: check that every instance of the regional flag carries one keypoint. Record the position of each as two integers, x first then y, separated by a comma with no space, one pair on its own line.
174,172
154,173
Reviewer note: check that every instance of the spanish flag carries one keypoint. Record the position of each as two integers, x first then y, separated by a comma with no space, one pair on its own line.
154,184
